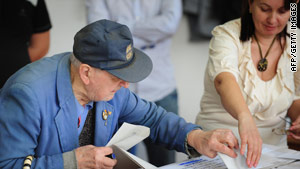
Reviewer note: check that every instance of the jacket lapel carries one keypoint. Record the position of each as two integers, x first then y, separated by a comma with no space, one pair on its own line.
67,129
66,118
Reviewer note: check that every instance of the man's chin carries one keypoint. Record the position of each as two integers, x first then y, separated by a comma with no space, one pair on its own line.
108,98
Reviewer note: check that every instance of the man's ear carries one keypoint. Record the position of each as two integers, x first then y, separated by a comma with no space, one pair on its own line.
85,73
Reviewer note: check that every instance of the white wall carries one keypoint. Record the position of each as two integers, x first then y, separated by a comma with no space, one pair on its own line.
67,18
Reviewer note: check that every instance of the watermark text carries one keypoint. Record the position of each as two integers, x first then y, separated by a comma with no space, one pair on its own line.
293,36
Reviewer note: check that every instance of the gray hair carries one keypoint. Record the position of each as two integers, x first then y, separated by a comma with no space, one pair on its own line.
74,61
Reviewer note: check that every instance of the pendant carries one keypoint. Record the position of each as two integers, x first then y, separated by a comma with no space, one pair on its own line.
262,65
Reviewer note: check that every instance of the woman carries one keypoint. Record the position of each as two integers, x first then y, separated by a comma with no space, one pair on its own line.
249,87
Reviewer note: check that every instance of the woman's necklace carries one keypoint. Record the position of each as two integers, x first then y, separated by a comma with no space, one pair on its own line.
263,62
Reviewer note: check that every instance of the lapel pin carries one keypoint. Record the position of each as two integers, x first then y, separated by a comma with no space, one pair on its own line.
105,115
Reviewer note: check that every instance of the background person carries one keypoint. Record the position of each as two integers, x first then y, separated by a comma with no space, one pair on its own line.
25,29
243,92
153,24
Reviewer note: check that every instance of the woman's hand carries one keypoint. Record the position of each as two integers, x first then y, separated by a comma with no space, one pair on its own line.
250,137
295,129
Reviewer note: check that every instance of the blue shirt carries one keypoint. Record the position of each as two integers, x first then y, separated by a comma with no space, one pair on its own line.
82,112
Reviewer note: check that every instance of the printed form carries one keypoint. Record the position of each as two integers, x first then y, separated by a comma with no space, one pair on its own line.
129,135
272,158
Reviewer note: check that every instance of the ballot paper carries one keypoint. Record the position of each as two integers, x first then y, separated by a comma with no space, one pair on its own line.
272,157
266,161
129,135
234,163
202,162
294,165
125,138
279,152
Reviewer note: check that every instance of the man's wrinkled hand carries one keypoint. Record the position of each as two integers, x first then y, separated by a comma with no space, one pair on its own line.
94,157
210,142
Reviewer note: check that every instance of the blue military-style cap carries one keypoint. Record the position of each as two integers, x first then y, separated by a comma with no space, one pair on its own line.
108,45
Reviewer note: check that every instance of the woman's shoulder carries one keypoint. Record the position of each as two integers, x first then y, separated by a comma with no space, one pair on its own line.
231,28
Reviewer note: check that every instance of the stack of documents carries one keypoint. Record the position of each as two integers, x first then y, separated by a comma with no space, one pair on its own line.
129,135
272,157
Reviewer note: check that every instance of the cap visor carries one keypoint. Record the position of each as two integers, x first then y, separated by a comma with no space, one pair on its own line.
137,71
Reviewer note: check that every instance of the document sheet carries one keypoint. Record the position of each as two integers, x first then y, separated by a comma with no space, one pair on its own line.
202,162
272,158
129,135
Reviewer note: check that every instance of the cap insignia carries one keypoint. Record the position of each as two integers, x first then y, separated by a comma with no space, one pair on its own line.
128,52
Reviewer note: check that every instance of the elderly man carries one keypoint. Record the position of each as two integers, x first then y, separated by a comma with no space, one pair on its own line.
61,111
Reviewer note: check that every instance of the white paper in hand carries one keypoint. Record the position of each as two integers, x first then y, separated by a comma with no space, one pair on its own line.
129,135
234,163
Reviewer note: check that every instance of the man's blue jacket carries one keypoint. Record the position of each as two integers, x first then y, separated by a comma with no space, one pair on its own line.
38,116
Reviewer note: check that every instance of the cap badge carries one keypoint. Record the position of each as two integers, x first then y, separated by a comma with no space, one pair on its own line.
128,52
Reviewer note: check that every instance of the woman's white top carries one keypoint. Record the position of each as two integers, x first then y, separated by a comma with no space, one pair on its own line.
267,100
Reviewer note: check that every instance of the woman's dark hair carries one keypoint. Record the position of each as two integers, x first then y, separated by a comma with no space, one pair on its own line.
247,25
